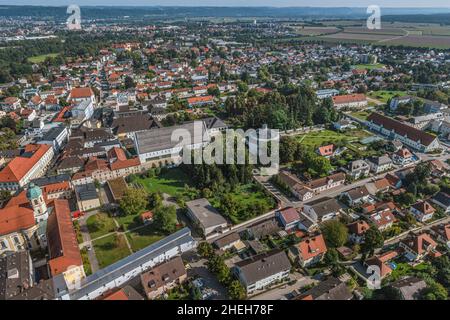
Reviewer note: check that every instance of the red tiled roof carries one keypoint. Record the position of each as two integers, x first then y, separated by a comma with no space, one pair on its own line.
289,215
62,240
200,99
348,98
78,93
358,227
311,247
401,128
19,166
326,150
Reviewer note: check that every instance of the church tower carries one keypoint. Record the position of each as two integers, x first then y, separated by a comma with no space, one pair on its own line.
36,198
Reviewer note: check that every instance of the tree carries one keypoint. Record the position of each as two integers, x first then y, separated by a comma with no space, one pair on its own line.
373,239
129,83
205,249
155,200
134,201
335,233
236,291
165,218
434,291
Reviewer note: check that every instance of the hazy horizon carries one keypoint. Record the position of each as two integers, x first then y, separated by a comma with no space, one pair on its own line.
238,3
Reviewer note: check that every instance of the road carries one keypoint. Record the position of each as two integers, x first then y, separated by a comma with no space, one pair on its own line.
280,292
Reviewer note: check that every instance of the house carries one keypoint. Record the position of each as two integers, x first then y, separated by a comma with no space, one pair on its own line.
322,209
382,219
357,195
55,137
17,279
306,223
196,102
380,164
263,228
122,294
357,230
78,95
325,151
260,271
87,197
357,169
309,251
206,217
288,217
329,289
442,199
230,241
64,253
70,165
147,217
422,211
419,246
343,124
10,104
163,277
295,185
31,164
409,288
408,135
350,101
82,111
442,233
382,262
396,101
117,188
403,157
326,93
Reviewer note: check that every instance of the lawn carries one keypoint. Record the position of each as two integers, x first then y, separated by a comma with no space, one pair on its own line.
247,198
41,58
144,237
110,249
369,66
171,182
324,137
384,95
100,224
361,114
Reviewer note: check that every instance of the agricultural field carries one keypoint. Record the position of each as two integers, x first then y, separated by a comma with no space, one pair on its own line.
369,66
315,31
41,58
324,137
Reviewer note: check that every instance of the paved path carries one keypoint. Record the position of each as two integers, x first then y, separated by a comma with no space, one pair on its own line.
87,240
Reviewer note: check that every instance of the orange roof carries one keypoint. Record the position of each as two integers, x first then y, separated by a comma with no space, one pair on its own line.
118,295
20,166
118,153
15,218
311,247
62,240
348,98
56,187
79,93
125,164
200,99
326,150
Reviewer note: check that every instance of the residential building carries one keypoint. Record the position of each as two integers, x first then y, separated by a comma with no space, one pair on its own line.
163,277
422,211
260,271
409,288
322,209
442,199
419,246
329,289
357,169
289,218
352,101
380,164
309,251
87,197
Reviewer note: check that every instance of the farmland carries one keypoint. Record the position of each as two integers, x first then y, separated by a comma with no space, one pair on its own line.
41,58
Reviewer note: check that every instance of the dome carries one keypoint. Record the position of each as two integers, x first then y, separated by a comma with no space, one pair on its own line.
33,191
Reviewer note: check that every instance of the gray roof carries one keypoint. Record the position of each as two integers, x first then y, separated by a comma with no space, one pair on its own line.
205,213
358,193
43,181
330,289
228,239
410,287
380,160
133,261
161,138
52,134
15,274
87,192
443,198
325,206
214,123
263,265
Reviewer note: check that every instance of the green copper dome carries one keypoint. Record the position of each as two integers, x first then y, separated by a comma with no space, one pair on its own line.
33,192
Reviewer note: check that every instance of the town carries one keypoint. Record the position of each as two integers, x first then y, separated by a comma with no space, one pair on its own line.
97,204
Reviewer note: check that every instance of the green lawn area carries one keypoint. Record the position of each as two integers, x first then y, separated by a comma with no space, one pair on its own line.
361,114
144,237
110,249
41,58
100,224
369,66
404,269
171,182
384,95
247,198
320,138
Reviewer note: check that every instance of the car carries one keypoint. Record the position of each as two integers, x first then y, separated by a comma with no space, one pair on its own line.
89,248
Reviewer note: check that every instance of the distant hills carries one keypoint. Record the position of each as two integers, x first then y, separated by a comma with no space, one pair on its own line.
157,12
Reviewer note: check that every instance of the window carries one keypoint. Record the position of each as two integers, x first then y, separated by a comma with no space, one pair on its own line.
3,245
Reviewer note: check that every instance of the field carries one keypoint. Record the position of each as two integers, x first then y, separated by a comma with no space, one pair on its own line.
315,31
369,66
41,58
171,182
407,34
143,237
100,224
324,137
110,249
384,95
361,114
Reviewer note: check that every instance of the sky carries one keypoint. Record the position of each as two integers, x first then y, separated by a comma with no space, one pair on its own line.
230,3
